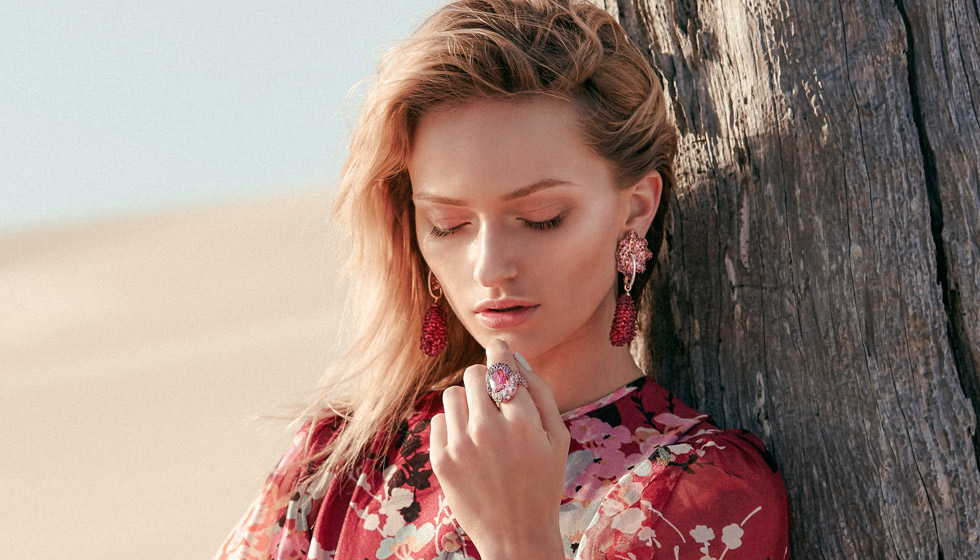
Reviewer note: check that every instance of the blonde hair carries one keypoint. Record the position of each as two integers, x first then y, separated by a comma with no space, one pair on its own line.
467,50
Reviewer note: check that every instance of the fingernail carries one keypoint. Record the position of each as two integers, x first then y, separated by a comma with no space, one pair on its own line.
521,361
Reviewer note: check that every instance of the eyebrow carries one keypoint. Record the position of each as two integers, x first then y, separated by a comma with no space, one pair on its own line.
513,195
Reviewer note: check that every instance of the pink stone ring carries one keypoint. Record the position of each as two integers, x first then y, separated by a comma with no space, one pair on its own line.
502,382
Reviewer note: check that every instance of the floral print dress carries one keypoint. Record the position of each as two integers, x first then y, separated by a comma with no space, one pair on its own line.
646,477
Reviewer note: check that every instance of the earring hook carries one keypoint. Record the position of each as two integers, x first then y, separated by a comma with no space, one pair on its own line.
434,285
629,282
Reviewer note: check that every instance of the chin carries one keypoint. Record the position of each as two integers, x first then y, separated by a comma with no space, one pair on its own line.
512,339
526,343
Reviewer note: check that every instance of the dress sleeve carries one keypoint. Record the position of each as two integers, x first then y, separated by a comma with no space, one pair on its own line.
255,535
728,502
715,497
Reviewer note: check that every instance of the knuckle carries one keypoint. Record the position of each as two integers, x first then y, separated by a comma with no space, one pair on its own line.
475,379
524,417
474,373
439,460
453,394
482,434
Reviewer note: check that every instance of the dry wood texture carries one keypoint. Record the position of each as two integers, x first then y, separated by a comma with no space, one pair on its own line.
822,276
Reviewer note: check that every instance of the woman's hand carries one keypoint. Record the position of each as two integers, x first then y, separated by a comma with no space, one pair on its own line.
503,471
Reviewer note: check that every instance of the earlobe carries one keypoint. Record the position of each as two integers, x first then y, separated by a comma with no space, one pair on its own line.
644,202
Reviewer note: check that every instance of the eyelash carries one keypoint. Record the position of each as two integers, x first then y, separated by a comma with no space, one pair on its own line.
436,232
547,224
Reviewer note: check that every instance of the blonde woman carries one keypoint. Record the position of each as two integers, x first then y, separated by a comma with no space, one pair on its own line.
506,187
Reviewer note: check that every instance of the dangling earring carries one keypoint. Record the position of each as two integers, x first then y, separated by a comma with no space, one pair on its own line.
632,255
435,325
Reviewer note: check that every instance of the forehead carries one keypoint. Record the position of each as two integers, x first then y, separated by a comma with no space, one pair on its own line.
489,146
495,109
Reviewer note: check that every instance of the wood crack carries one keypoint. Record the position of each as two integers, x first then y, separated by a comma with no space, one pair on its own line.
951,305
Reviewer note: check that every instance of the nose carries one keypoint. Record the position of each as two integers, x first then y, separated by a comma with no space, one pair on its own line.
495,261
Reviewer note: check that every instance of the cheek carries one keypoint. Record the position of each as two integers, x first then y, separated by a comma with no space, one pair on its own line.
587,267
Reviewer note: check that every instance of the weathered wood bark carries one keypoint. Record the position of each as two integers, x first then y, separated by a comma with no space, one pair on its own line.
822,276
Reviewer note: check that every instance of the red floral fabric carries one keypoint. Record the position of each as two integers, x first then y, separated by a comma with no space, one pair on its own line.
647,477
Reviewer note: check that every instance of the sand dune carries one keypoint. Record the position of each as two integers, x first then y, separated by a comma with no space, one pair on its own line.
135,355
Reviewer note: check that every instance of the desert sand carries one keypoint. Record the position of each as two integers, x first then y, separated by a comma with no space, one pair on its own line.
137,357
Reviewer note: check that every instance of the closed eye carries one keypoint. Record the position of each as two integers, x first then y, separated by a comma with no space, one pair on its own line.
437,232
547,224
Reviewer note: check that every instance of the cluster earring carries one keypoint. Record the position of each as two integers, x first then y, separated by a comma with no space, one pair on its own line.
435,325
632,255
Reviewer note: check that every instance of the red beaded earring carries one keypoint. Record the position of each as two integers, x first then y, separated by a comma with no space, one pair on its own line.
435,325
632,255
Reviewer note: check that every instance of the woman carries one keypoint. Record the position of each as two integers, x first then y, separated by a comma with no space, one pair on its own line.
507,184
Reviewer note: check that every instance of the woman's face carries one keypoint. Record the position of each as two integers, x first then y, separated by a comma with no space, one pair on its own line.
519,221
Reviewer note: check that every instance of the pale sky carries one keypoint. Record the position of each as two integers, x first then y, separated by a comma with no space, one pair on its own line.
110,107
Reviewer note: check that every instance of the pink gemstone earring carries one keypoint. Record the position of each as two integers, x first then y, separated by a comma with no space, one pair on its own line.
434,326
632,255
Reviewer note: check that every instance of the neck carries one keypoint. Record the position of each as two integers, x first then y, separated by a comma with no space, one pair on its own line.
585,368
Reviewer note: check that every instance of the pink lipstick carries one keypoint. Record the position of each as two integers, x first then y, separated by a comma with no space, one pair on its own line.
505,313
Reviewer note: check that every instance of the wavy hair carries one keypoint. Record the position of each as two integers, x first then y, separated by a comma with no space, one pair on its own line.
468,50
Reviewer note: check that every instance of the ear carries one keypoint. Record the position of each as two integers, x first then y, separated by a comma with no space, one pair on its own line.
644,200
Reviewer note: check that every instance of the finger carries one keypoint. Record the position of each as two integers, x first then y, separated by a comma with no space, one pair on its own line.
520,406
437,439
481,406
540,393
454,403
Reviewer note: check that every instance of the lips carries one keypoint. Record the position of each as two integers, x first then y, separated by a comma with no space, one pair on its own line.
506,309
502,305
505,313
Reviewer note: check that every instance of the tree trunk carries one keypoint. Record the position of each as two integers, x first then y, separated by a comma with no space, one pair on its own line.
821,282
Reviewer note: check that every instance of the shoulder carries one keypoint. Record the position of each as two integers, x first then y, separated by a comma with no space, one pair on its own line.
695,491
725,496
717,495
727,471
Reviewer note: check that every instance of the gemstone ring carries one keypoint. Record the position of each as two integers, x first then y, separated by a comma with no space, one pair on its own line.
502,382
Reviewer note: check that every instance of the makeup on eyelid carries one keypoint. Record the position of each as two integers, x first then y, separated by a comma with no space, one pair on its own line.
543,225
